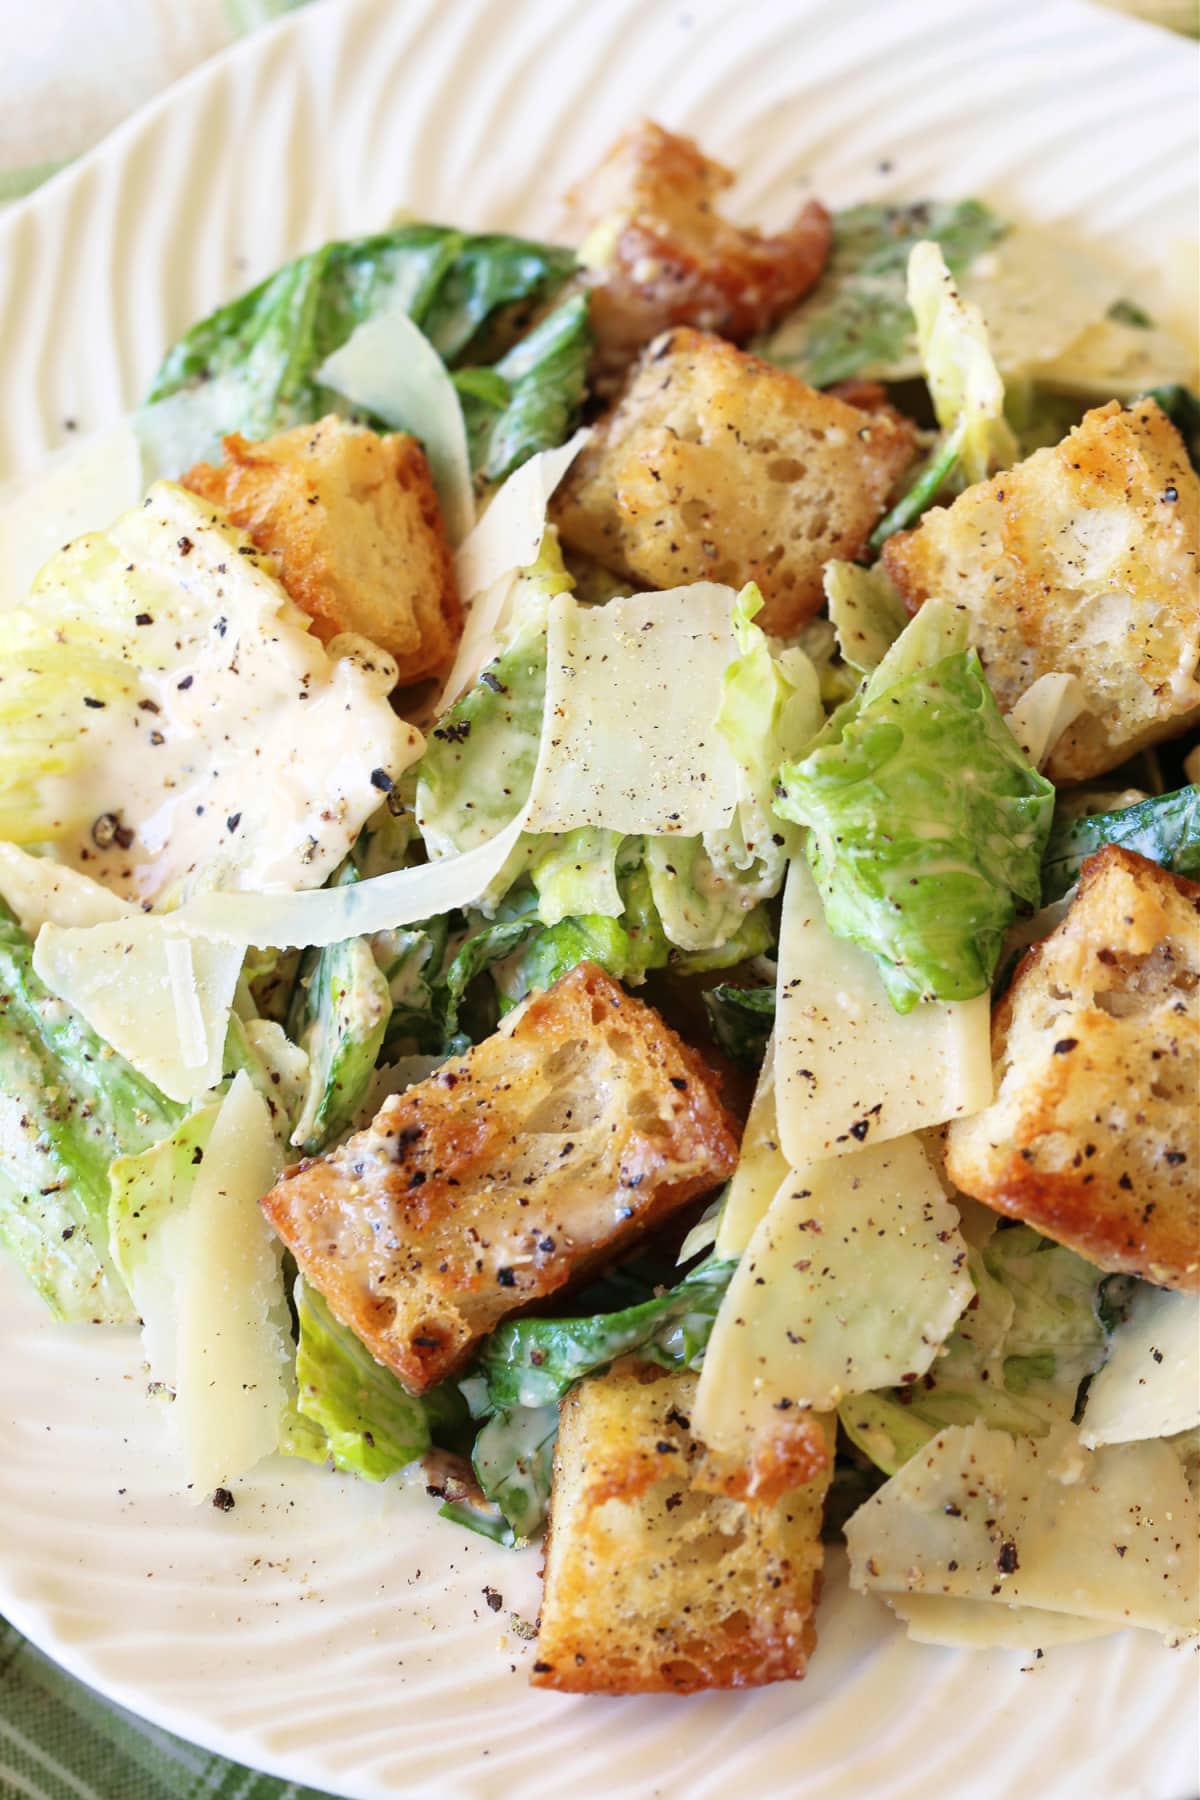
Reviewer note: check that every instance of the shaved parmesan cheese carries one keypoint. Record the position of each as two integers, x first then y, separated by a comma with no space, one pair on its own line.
848,1067
761,1168
388,367
1150,1385
853,1280
40,892
1043,713
202,1265
296,921
629,737
1037,292
161,1001
1113,360
509,534
979,1625
1109,1534
81,488
487,614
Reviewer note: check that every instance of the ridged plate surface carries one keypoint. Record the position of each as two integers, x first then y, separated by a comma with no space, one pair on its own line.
339,1633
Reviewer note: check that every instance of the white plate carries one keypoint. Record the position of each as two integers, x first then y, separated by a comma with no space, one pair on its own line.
335,1632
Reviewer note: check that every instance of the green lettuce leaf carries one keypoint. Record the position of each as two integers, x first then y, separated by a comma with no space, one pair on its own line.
1016,1360
959,370
531,399
740,1019
342,1007
264,349
372,1425
513,1462
532,1362
858,318
926,823
68,1107
1165,829
1182,407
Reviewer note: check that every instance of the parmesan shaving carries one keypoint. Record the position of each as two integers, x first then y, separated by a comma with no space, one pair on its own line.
850,1069
1150,1385
629,737
1043,713
1109,1534
43,892
508,535
853,1280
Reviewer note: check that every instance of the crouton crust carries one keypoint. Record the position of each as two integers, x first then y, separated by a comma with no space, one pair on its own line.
352,520
1084,559
651,1585
507,1173
669,258
1094,1134
715,466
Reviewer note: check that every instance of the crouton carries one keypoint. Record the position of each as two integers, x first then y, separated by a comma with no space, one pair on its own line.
1094,1134
652,1586
662,255
1082,560
715,466
508,1172
352,520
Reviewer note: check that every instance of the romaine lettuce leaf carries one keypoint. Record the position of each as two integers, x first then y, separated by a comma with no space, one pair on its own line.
858,319
512,1459
1166,829
68,1107
1015,1362
740,1019
926,823
372,1425
530,400
963,380
341,1011
267,347
532,1362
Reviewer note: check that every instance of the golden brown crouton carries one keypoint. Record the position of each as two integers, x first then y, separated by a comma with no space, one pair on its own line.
1094,1134
651,1585
508,1172
715,466
1082,560
664,256
352,520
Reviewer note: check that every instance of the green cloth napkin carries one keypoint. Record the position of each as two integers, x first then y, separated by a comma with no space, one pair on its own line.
59,1741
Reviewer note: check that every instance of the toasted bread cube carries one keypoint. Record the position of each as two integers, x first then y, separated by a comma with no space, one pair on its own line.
1082,560
662,255
1094,1134
508,1172
352,520
652,1585
715,466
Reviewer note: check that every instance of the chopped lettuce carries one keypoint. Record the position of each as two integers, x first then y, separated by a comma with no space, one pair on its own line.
513,1459
1182,407
1016,1361
532,1362
963,380
740,1019
866,610
266,349
858,320
371,1424
1166,829
68,1106
926,823
342,1007
531,399
770,710
190,1239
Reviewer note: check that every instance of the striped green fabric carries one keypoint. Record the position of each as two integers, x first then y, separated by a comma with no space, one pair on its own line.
59,1741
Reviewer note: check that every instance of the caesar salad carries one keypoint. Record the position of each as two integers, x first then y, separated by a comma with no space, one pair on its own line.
599,890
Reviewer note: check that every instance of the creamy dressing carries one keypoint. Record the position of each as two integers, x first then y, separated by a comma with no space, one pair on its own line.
206,737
